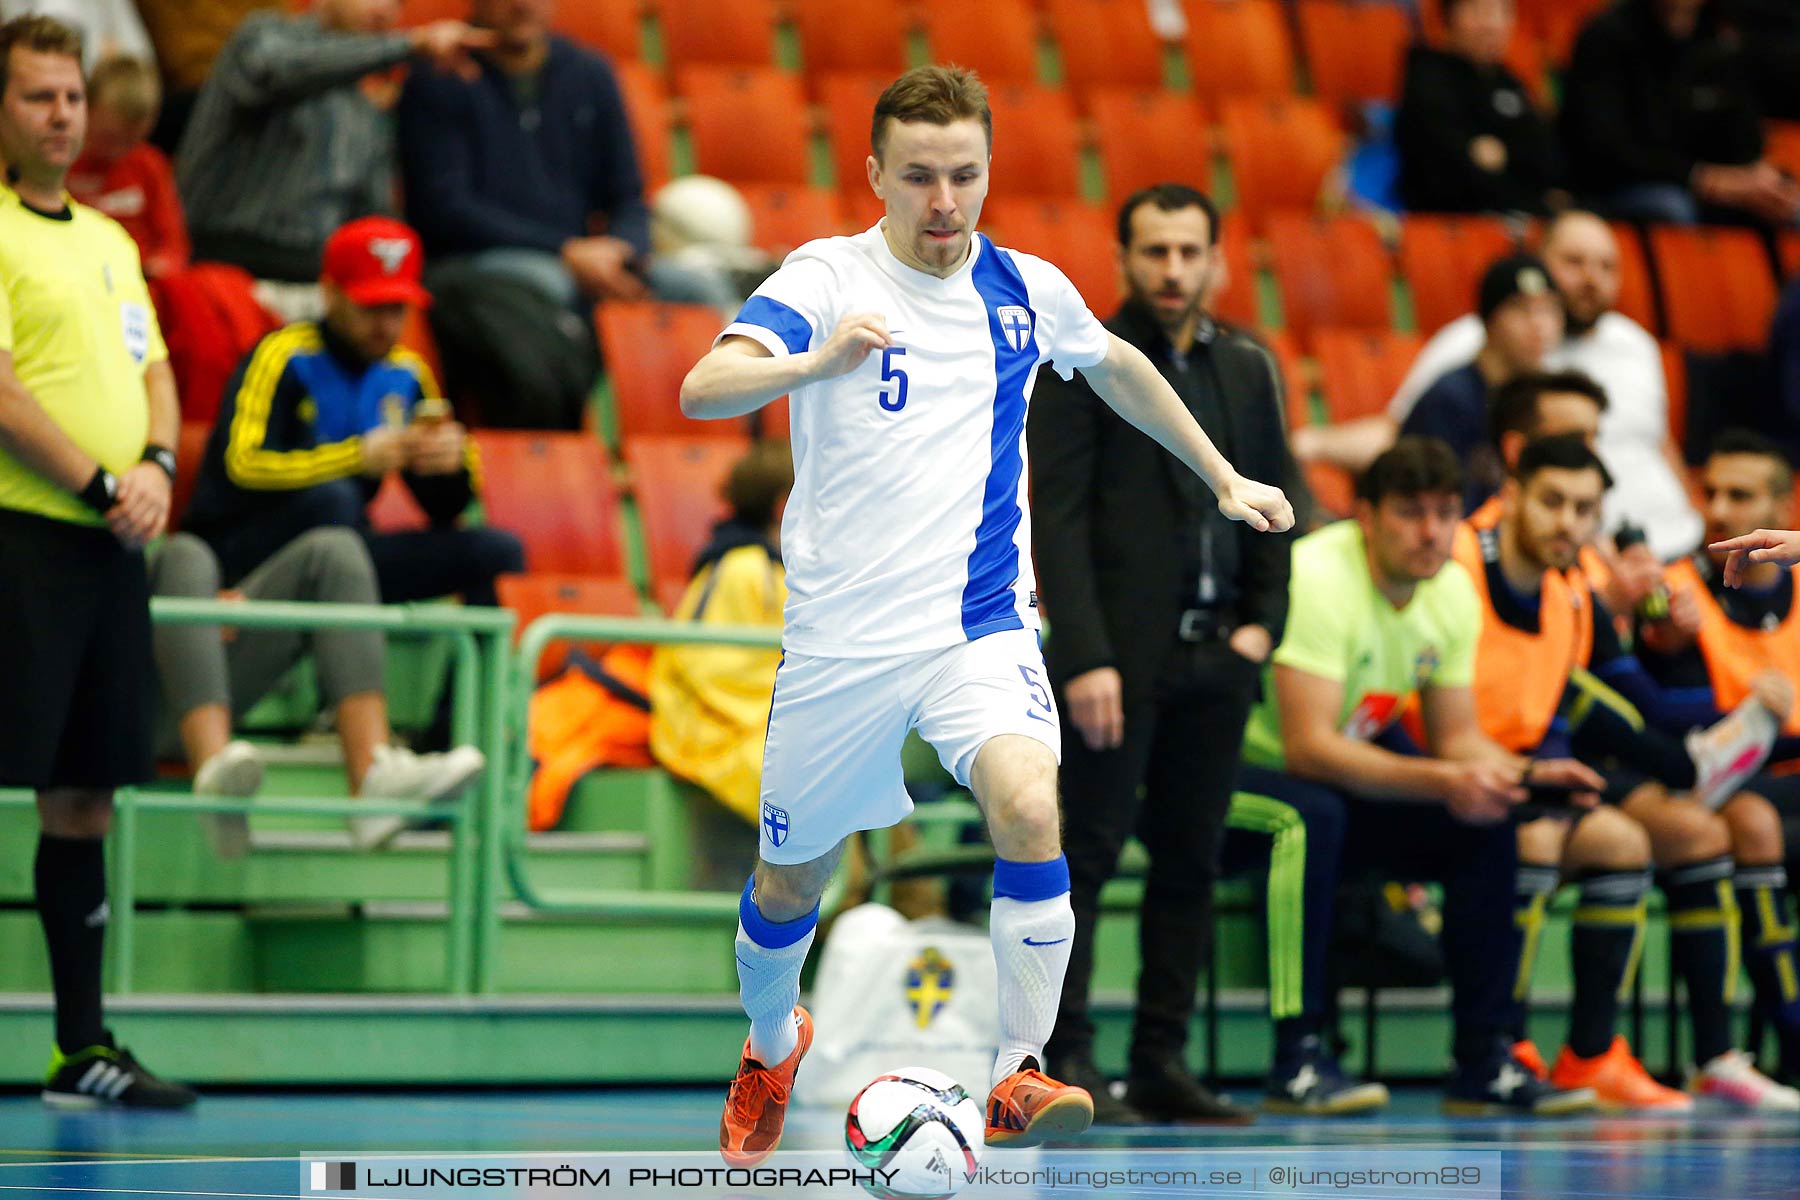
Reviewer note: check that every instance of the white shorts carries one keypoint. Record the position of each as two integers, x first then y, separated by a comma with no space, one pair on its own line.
831,765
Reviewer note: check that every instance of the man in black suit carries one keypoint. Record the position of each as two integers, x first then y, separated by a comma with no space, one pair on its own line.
1161,614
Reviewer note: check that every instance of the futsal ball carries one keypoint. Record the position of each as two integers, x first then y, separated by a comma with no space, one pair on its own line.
920,1125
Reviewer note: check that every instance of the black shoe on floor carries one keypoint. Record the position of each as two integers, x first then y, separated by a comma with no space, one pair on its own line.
1108,1109
108,1075
1168,1093
1500,1085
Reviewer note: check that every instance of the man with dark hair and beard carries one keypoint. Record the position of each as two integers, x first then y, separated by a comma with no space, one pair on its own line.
1163,613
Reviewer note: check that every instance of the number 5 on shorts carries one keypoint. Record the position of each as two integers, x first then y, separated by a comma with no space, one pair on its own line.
1040,695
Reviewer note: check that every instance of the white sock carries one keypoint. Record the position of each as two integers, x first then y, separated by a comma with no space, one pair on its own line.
769,987
1031,941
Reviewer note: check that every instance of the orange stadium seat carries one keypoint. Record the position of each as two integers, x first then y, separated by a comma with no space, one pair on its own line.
747,126
848,97
1637,295
1148,137
1106,43
998,38
771,420
1239,303
1290,365
395,510
1675,375
1239,47
677,481
647,107
1360,369
1281,151
649,347
1718,292
737,33
1331,270
1781,145
1077,237
1037,145
1788,244
874,41
424,12
782,218
613,27
537,593
1557,23
1355,51
1443,258
554,492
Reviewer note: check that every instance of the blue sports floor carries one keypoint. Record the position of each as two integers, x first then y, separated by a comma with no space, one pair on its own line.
246,1144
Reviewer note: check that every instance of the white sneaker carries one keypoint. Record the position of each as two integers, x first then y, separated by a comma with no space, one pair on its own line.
399,774
236,770
1727,753
1733,1078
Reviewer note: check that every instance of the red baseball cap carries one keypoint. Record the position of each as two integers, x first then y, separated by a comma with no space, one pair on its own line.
376,260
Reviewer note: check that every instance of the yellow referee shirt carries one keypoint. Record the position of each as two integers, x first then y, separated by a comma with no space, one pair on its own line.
75,314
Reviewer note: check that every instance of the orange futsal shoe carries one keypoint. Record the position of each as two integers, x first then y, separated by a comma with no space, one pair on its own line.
1619,1081
1029,1107
756,1105
1526,1054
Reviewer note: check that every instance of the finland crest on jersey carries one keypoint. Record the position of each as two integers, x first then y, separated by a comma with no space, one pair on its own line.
907,529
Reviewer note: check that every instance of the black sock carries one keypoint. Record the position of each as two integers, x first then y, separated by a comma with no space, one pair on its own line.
1769,951
1704,922
1290,1037
1533,887
70,876
1608,932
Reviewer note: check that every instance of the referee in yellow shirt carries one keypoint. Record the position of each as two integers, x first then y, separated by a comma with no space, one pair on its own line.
87,415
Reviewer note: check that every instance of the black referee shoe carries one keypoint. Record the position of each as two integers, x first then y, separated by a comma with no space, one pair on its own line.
108,1075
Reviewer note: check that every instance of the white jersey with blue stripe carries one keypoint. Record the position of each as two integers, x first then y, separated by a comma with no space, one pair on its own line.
907,529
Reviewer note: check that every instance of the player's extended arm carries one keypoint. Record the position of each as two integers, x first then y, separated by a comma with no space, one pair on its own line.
1763,546
1317,749
740,375
1131,384
29,435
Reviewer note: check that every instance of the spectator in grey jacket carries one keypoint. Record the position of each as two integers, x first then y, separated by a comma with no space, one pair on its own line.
285,144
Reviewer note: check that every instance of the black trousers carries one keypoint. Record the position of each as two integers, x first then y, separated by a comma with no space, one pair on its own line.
1169,783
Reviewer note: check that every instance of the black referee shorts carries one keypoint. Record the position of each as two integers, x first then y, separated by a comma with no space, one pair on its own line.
75,667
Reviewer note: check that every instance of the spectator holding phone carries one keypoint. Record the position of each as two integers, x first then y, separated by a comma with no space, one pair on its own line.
320,413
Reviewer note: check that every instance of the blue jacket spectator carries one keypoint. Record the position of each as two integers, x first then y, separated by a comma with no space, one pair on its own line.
522,161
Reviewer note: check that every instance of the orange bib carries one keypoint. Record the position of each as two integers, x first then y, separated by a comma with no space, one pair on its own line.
1736,654
1520,676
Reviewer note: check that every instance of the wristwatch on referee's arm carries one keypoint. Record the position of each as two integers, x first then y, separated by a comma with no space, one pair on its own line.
163,457
101,491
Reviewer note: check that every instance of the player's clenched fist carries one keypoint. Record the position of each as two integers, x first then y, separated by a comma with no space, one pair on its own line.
855,336
1258,505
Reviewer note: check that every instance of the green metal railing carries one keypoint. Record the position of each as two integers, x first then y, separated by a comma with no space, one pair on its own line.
492,686
563,627
478,639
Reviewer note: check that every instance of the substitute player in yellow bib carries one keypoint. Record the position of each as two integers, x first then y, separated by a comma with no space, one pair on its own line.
87,417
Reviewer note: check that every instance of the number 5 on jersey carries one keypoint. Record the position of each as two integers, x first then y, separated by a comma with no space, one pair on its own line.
892,398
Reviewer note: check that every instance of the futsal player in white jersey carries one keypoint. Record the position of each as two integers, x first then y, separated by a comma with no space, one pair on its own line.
908,352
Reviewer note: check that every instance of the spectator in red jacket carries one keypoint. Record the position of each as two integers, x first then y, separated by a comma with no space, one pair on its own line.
122,174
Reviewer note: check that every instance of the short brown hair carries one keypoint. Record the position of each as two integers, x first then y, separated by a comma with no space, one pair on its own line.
936,95
46,35
758,482
129,86
1412,466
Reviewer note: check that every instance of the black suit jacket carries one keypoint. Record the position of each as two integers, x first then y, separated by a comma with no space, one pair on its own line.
1106,513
